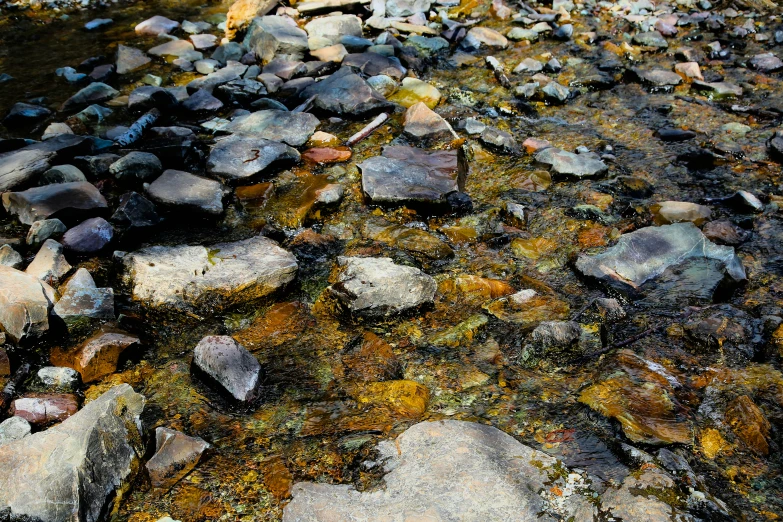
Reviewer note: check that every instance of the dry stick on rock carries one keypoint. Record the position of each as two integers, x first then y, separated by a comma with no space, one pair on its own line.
139,126
374,124
9,392
499,70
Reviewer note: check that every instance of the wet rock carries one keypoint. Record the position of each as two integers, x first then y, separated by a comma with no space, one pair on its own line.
136,165
373,64
240,157
326,155
10,257
82,301
628,503
156,26
717,90
743,201
135,211
18,167
651,39
25,115
98,356
673,135
345,93
229,364
220,275
44,409
725,232
332,53
385,85
689,70
176,454
478,36
725,333
230,51
421,123
176,48
749,423
92,235
645,254
207,66
657,77
202,101
61,174
766,63
413,91
14,428
56,129
377,287
499,140
204,41
130,59
24,304
369,358
63,200
59,377
293,128
528,308
242,13
407,174
422,245
49,264
529,65
145,98
333,28
182,190
271,36
96,166
565,163
94,93
521,34
74,470
667,212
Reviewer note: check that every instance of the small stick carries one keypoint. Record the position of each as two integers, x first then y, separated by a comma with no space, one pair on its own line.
9,392
306,105
499,70
139,126
366,131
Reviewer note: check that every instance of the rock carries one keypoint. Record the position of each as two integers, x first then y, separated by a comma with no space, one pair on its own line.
56,129
44,409
520,34
14,428
673,135
178,48
570,164
725,232
345,93
413,91
229,364
49,264
92,235
528,308
421,123
98,356
276,36
293,128
529,65
240,157
147,97
96,166
176,454
373,64
478,36
82,301
130,59
406,7
689,70
74,470
222,76
20,166
207,66
628,503
564,32
94,93
61,174
24,304
717,90
406,174
749,423
202,101
323,139
135,211
63,200
136,165
384,85
645,254
657,77
434,469
375,288
243,12
59,377
204,41
230,51
220,275
25,115
183,190
766,63
651,39
330,195
331,53
667,212
333,28
10,257
98,23
156,26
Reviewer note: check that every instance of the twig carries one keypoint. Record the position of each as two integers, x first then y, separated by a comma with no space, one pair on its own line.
139,126
499,70
366,131
9,392
306,105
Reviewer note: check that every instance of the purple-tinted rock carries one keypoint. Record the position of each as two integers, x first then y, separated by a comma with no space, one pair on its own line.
90,236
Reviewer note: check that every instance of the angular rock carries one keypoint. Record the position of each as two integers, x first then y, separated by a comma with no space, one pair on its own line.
651,39
375,288
176,454
478,36
766,63
135,211
658,77
59,377
49,264
570,164
222,76
202,101
183,190
24,304
136,165
271,36
333,28
63,200
130,59
20,166
74,470
156,26
240,157
178,48
10,257
667,212
229,364
25,115
220,275
717,90
45,409
204,41
98,356
94,93
373,64
14,428
293,128
82,301
89,237
345,93
151,96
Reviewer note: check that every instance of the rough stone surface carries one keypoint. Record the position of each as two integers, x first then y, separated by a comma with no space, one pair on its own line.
136,165
59,377
229,364
61,174
239,157
421,123
81,298
156,26
345,93
47,408
49,264
94,93
89,236
293,128
176,454
59,200
24,304
10,257
129,59
97,357
19,166
13,428
135,212
186,191
220,275
73,470
570,164
333,28
271,36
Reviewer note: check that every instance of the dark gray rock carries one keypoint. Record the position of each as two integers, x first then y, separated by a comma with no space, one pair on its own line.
186,191
202,101
92,235
228,363
136,165
147,97
373,64
766,63
293,128
230,51
658,77
232,71
135,211
345,93
61,174
93,93
96,166
176,454
651,39
62,200
240,157
130,59
44,229
19,166
25,115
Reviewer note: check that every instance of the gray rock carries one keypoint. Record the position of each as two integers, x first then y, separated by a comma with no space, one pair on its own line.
221,275
10,257
130,59
373,64
90,236
176,454
183,190
519,33
81,299
59,200
651,39
25,115
97,166
147,97
645,254
556,93
233,71
24,304
570,164
19,166
202,42
407,174
231,51
98,23
499,139
766,63
658,77
14,428
240,157
717,90
406,7
59,377
293,128
196,27
554,339
94,93
178,48
229,364
136,165
207,66
421,123
271,36
202,101
333,28
61,174
135,211
377,287
529,65
49,264
44,229
156,26
74,470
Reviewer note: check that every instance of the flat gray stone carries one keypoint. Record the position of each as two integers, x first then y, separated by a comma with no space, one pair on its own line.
136,165
186,191
231,72
333,28
10,257
240,157
59,200
20,166
293,128
94,93
345,93
130,59
229,364
276,36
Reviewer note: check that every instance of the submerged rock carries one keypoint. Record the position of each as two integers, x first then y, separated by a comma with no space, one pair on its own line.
130,59
221,275
228,363
176,454
566,163
98,356
73,471
82,301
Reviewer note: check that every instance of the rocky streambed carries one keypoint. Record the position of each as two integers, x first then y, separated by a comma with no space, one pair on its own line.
391,260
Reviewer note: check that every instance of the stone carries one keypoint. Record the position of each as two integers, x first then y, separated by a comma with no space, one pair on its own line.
62,200
135,211
210,82
24,304
409,175
221,275
553,339
203,41
136,165
130,59
61,174
331,53
413,91
334,28
689,70
102,73
373,64
293,128
83,304
14,428
25,115
384,85
647,253
156,26
19,166
98,356
49,264
229,364
658,77
345,93
724,232
182,190
207,66
528,308
766,63
478,36
202,101
571,165
176,454
59,377
521,34
529,65
74,470
230,51
96,166
178,48
56,129
406,7
240,157
749,423
276,36
10,257
375,288
98,23
421,123
89,237
499,140
44,409
243,12
651,39
94,93
667,212
717,90
673,135
147,97
330,195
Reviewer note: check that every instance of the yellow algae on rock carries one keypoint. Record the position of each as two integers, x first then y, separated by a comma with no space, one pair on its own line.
528,308
405,398
712,443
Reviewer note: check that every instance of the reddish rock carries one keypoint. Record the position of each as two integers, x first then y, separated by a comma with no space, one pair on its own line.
532,145
43,409
99,354
326,155
176,454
